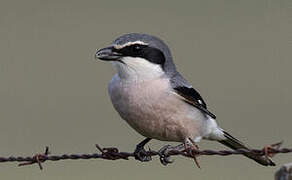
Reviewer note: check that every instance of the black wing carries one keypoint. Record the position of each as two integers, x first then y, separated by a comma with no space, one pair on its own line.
191,96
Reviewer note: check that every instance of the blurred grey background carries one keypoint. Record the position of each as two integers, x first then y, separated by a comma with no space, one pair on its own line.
53,92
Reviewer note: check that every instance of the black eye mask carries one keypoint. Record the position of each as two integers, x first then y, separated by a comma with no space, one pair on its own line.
151,54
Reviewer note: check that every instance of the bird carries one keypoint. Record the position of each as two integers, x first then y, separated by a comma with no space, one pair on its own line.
157,101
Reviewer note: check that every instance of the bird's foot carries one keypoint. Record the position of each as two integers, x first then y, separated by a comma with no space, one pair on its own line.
164,156
141,154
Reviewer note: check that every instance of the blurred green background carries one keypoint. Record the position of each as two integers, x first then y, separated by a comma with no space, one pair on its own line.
53,92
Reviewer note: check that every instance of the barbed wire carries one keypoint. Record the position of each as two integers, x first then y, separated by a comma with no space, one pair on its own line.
113,153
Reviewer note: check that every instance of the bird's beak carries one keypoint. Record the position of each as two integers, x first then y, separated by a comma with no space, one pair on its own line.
108,54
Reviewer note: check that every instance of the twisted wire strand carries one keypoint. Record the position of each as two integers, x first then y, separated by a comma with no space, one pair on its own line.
113,153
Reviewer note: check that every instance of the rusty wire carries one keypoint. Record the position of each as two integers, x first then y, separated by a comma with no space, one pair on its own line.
113,153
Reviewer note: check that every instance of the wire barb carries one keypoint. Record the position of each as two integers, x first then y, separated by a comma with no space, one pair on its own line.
38,158
112,153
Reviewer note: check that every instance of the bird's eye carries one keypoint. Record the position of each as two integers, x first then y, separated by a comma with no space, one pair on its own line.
137,48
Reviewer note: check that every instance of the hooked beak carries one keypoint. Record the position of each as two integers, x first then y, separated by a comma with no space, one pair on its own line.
108,54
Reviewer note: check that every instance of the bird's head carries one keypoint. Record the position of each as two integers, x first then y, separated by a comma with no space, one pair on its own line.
138,56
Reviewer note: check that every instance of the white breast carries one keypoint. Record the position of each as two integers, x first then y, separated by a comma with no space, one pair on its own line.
151,108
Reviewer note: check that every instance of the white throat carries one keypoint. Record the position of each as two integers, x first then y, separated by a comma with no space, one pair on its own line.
137,69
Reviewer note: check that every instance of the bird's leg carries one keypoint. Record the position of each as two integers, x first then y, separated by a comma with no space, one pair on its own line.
163,153
140,153
192,146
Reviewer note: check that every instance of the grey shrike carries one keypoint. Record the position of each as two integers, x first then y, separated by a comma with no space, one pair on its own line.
154,99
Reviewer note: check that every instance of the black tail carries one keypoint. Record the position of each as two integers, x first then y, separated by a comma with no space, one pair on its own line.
235,144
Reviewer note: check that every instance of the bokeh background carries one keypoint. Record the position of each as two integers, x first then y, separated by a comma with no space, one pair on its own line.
53,92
